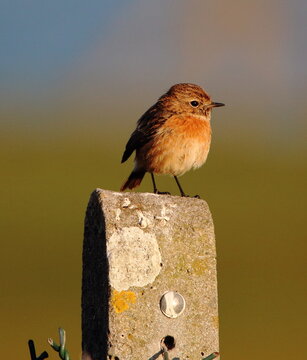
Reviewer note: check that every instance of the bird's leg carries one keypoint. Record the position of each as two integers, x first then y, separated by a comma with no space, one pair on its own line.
181,190
155,190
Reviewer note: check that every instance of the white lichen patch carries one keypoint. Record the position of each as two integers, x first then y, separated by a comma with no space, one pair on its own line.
134,258
132,206
117,214
126,203
143,221
163,216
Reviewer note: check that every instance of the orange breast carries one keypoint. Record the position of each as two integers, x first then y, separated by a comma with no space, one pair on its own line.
181,143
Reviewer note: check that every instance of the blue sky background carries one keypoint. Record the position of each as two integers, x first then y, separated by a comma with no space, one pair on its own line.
39,39
76,54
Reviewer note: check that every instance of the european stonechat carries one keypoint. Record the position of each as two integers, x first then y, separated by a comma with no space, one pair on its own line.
172,137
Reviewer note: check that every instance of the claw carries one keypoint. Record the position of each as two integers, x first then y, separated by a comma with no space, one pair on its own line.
162,192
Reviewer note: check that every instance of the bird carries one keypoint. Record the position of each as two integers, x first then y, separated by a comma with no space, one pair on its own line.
172,137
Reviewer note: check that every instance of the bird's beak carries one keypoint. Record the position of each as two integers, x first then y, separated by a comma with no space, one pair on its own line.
215,104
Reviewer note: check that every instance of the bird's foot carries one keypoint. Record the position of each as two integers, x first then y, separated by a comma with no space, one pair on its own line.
162,192
195,196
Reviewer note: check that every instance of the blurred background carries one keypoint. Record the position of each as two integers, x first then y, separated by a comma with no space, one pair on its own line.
75,77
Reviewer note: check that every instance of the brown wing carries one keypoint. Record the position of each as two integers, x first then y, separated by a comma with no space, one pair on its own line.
137,139
146,129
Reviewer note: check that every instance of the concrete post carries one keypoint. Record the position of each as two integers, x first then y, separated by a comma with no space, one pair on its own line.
137,248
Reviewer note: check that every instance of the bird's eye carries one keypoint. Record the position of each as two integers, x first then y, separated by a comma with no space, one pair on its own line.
194,103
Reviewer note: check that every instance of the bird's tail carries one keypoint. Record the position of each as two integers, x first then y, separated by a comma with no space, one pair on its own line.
133,180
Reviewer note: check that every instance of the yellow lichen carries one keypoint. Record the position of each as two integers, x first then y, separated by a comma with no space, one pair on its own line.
181,265
121,300
130,337
215,321
199,266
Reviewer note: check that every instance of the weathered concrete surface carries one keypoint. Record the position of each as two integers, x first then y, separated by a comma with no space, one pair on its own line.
138,246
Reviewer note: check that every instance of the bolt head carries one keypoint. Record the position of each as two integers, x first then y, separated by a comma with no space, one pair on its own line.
172,304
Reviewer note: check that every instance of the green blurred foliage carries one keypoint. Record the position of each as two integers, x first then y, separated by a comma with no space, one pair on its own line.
255,192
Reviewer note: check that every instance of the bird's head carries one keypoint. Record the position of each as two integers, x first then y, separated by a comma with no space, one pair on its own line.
189,99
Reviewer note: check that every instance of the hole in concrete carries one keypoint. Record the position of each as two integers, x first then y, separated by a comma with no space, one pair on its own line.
161,264
202,353
169,342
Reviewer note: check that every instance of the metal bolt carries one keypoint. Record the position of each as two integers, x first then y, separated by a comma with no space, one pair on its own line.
172,304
